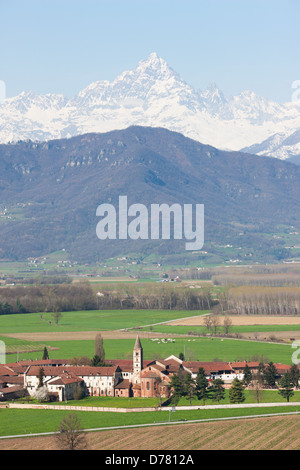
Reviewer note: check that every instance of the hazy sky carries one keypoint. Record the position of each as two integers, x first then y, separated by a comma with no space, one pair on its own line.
61,46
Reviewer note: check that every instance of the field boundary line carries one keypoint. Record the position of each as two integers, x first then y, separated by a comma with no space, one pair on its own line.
151,409
163,322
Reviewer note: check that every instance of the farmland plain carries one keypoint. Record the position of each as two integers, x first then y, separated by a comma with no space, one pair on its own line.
272,433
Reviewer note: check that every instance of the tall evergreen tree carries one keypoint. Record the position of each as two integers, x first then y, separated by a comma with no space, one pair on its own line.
96,361
41,377
270,374
176,385
6,308
217,390
247,375
286,387
45,353
202,385
236,392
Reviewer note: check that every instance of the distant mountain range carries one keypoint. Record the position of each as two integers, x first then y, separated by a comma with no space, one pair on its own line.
155,95
49,193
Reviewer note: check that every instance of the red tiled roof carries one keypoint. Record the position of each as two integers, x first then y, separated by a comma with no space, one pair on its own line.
282,367
125,365
6,370
64,380
158,367
8,390
242,364
124,384
207,366
40,362
149,374
74,370
17,369
136,387
12,379
88,371
171,362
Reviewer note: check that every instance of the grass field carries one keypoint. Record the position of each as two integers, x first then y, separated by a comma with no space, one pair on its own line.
15,345
266,396
203,349
107,402
97,320
20,421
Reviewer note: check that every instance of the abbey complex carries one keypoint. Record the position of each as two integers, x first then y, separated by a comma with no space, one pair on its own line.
119,378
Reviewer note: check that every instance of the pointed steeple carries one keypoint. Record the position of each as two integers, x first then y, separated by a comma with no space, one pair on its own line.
137,343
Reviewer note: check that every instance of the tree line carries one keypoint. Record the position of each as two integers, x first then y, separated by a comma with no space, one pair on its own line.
252,300
81,296
183,385
47,298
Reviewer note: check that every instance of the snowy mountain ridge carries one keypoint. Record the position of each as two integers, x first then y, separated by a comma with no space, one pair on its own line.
154,95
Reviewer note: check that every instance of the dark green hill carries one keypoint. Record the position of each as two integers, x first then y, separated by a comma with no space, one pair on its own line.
52,190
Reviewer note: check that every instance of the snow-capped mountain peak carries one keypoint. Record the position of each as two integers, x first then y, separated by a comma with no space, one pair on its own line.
153,94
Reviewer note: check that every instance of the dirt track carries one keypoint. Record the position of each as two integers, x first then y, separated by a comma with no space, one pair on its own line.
286,336
275,433
84,335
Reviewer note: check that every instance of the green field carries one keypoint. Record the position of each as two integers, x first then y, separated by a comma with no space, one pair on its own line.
107,402
202,349
89,320
16,422
15,346
266,396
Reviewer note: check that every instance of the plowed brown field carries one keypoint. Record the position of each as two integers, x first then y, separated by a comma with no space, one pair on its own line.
244,320
274,433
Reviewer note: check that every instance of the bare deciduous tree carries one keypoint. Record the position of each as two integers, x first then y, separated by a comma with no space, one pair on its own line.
70,435
227,324
215,323
208,323
56,317
256,386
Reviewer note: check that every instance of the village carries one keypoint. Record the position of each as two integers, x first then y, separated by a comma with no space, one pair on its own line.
59,380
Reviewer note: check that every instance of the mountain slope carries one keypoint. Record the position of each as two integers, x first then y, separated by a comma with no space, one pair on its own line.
51,191
151,95
284,145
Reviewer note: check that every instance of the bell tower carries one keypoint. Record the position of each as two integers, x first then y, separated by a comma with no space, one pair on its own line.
137,357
